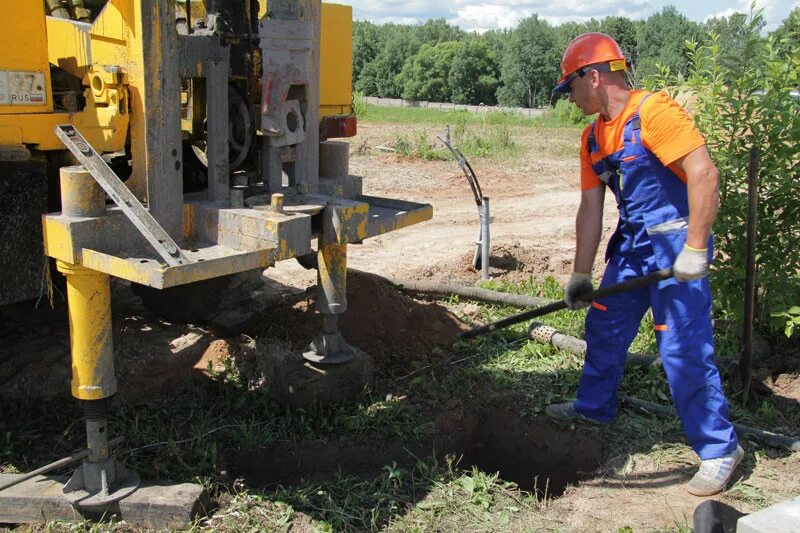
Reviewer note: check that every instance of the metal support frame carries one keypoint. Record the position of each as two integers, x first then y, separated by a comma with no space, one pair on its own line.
161,156
290,105
122,196
92,242
204,56
484,241
99,480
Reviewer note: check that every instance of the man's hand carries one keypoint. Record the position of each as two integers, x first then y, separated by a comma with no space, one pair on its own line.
579,285
690,264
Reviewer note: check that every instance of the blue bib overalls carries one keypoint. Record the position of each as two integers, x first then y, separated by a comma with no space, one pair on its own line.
653,221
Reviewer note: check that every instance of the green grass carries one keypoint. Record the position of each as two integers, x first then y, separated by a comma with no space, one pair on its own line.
370,113
494,142
189,436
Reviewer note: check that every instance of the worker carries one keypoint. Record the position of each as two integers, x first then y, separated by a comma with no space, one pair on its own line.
645,148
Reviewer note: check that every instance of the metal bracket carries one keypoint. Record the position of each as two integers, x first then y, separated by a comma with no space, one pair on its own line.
122,196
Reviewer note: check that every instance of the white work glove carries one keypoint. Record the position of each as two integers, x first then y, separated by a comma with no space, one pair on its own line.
690,264
579,285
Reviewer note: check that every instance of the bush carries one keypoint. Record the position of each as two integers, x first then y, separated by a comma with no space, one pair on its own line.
359,105
419,146
740,103
568,113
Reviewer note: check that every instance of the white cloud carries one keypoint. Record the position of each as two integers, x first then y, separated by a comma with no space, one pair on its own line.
495,14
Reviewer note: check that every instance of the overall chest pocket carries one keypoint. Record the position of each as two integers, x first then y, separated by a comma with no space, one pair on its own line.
637,184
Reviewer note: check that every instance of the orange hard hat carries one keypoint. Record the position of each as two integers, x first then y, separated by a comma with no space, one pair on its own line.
589,49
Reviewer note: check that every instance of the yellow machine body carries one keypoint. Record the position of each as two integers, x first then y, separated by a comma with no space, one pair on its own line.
33,42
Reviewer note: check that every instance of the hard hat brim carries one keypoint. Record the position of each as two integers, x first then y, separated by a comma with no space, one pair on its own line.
563,85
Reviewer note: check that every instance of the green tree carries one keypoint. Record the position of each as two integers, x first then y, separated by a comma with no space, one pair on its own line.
381,76
425,76
661,41
787,35
436,31
367,43
739,105
475,74
530,64
733,33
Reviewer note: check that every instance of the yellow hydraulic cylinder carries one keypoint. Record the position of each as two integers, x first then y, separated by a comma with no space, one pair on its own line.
332,278
89,300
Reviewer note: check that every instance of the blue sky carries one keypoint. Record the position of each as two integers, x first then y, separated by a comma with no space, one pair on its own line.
484,15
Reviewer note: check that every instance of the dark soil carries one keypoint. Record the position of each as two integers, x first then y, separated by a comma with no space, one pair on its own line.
537,453
152,355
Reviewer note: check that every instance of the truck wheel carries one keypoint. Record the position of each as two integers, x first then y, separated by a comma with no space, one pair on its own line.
190,303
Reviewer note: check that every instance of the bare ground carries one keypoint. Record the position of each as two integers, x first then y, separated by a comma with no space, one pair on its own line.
533,200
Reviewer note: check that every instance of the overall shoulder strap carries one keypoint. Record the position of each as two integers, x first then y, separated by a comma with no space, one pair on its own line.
591,141
635,120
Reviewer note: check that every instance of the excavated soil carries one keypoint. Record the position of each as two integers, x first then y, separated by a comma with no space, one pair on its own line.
152,354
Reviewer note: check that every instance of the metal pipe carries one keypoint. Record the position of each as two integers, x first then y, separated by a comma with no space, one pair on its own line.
485,238
550,335
766,437
66,461
447,289
629,285
81,195
750,274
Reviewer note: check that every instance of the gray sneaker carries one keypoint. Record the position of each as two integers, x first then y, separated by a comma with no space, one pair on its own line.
714,474
566,411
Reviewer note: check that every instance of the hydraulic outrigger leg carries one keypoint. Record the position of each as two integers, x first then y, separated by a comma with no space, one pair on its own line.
99,480
330,347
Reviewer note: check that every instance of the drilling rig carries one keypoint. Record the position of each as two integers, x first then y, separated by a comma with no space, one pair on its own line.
173,143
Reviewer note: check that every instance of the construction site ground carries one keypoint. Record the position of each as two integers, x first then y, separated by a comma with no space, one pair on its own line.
420,451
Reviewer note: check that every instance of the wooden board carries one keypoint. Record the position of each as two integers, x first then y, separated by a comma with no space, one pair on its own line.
154,506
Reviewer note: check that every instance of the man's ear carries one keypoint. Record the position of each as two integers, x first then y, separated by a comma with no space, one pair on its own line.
595,78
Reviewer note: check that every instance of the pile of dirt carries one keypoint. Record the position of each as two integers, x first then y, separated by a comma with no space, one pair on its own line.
386,323
380,320
509,261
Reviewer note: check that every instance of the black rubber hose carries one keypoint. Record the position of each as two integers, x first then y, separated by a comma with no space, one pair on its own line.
766,437
472,293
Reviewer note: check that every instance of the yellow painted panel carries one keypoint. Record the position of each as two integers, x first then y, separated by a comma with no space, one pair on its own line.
68,45
25,48
39,130
58,239
336,56
113,21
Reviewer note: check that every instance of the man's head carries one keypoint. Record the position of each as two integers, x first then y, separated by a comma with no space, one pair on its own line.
590,61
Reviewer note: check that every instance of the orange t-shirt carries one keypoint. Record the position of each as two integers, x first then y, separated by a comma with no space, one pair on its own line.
667,131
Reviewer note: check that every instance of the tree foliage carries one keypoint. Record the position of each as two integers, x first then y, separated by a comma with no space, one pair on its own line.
787,36
747,101
426,75
662,41
520,66
475,74
530,64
